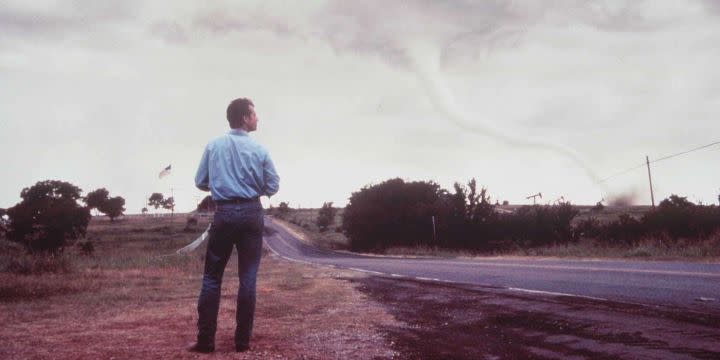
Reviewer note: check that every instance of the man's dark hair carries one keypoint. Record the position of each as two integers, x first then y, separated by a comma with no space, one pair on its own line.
237,110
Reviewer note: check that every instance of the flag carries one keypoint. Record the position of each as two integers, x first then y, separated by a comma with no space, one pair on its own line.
164,172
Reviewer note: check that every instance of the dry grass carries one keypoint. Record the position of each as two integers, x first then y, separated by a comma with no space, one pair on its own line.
648,248
332,238
130,301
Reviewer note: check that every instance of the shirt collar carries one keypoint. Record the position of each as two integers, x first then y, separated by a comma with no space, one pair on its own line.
240,132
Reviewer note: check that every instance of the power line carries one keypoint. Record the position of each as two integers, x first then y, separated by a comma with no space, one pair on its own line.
660,159
685,152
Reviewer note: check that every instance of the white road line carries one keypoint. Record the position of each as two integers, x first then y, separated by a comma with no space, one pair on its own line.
367,271
581,268
530,291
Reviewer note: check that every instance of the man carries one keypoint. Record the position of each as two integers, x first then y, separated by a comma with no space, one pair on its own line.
237,171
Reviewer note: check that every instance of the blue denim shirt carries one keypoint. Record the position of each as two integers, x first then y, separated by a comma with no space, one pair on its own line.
235,166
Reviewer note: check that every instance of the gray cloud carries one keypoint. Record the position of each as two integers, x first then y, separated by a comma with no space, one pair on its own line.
382,28
466,28
461,29
79,16
712,6
222,22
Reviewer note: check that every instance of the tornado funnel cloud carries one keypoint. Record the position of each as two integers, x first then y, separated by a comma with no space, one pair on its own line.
423,62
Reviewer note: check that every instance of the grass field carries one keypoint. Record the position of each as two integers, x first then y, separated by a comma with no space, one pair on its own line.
135,299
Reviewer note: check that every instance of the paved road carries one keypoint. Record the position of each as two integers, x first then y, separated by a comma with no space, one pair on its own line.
688,285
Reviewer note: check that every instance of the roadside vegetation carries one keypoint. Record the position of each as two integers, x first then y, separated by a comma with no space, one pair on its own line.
420,218
307,219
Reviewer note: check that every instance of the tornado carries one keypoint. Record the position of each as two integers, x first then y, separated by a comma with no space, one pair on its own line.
423,61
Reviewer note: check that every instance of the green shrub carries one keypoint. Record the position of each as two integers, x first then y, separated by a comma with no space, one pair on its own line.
588,228
326,216
675,218
536,225
392,213
48,216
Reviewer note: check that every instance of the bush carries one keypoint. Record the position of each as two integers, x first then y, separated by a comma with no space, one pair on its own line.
536,225
282,210
48,216
326,216
675,218
680,218
588,228
625,230
392,213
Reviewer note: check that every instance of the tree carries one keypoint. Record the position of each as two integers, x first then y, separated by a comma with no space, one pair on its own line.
326,216
113,207
282,210
144,210
677,202
156,200
100,199
392,213
207,204
48,216
169,204
96,198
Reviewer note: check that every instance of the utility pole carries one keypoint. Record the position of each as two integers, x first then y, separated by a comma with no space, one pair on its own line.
434,232
172,208
652,196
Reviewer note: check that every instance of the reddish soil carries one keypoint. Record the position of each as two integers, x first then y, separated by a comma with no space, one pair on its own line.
465,322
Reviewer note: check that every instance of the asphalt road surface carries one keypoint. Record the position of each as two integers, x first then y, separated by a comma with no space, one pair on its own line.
677,284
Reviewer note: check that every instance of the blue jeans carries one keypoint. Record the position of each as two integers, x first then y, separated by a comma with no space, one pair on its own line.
240,225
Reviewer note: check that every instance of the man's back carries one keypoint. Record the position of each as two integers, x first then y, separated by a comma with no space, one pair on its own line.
235,166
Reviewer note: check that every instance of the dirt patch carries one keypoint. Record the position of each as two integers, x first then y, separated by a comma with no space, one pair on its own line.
466,322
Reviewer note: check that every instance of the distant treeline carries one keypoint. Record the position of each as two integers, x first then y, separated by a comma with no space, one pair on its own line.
398,213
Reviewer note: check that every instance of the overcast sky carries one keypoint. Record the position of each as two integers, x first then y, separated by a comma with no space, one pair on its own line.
525,96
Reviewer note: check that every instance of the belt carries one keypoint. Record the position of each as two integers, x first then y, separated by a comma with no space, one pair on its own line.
237,201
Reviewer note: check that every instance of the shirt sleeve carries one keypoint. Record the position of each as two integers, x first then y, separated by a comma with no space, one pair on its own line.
272,180
202,177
